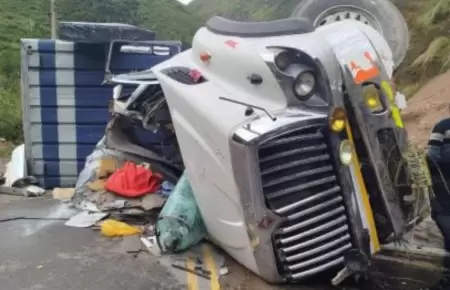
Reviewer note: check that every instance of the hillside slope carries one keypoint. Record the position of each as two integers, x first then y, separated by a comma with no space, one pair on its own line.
19,18
30,18
168,18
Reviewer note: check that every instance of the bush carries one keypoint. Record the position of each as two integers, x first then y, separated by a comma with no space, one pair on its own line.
10,101
10,116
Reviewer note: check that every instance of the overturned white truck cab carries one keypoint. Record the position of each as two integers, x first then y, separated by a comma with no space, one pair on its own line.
293,144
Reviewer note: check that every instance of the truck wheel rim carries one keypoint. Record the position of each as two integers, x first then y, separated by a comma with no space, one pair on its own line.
339,13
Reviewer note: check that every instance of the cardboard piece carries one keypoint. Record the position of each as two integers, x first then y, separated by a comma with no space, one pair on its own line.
63,193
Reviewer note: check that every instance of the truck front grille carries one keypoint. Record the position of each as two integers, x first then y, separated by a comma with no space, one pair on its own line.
300,184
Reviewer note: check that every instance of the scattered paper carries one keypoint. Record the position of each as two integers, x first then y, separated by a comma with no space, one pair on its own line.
85,219
88,206
115,204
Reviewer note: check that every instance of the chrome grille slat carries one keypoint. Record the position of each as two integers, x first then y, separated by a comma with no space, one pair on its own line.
289,165
321,238
301,187
293,152
305,201
313,220
316,230
282,141
301,174
320,258
334,201
320,249
300,184
317,270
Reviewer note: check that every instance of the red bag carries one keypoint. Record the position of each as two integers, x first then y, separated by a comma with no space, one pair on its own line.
133,181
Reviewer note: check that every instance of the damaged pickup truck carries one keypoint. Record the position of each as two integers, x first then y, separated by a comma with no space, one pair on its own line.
291,139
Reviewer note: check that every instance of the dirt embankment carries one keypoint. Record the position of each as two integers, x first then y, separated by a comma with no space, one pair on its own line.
427,107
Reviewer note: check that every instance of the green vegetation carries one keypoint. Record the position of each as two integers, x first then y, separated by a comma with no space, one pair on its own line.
30,19
429,53
256,10
428,21
168,18
26,19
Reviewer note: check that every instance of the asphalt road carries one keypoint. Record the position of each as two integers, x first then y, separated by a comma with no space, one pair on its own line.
45,254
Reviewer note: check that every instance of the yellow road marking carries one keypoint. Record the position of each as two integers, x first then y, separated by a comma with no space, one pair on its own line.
364,194
211,266
192,281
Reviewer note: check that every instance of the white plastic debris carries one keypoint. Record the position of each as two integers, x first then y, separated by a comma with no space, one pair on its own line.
85,219
34,190
400,101
16,169
223,271
152,246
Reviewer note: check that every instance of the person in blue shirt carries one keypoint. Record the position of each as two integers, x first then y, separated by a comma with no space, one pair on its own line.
439,142
438,152
438,157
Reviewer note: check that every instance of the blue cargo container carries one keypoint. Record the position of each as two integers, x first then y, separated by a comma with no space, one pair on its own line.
65,105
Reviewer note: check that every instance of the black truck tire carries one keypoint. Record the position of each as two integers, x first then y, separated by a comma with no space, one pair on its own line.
382,15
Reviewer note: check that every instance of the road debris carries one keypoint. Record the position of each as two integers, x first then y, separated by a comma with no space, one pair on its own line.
151,244
133,181
180,225
34,190
199,272
113,228
31,190
63,194
85,219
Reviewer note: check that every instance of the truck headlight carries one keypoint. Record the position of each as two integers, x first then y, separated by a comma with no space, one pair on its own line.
304,85
372,99
346,152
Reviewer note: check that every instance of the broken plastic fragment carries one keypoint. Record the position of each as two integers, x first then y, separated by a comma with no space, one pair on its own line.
152,246
85,219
